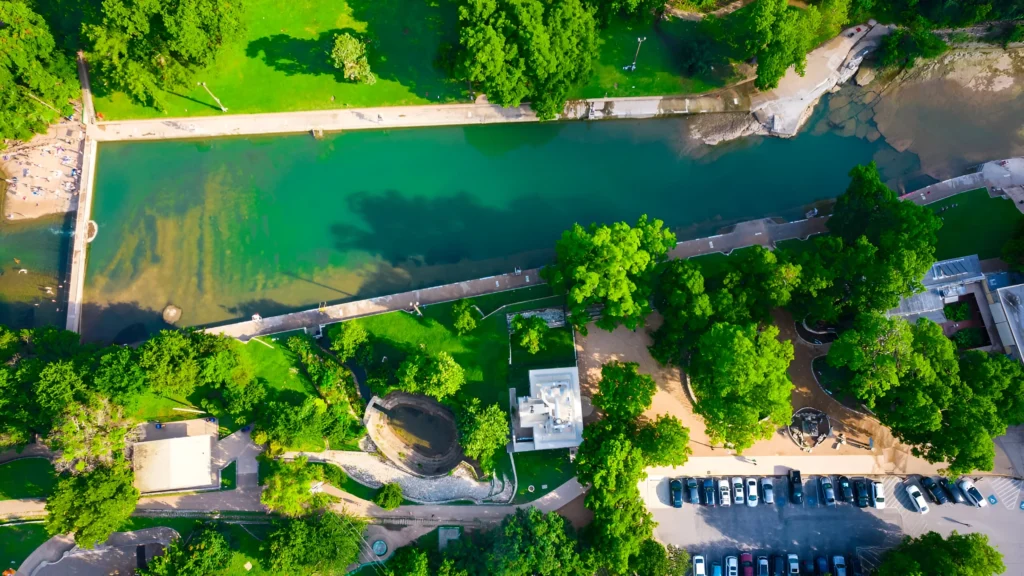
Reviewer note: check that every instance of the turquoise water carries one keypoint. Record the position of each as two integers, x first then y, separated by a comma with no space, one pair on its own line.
231,227
40,248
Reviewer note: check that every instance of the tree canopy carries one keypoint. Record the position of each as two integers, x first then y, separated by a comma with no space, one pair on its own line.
465,316
529,332
483,432
92,505
146,47
611,268
389,496
437,375
289,488
349,56
348,340
205,551
781,36
958,555
322,543
528,49
37,81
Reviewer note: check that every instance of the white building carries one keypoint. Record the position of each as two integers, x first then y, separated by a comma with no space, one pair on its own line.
552,415
174,464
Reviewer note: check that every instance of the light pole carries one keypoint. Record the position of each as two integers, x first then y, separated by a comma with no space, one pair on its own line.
639,42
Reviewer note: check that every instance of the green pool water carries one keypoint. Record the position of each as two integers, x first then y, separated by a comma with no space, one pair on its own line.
228,228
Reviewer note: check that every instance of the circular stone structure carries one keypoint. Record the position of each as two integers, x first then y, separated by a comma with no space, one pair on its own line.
380,547
171,314
809,428
415,432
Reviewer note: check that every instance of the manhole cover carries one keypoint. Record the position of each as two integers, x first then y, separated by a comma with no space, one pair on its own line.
380,548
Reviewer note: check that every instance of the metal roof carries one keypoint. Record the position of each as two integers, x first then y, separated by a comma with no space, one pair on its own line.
953,271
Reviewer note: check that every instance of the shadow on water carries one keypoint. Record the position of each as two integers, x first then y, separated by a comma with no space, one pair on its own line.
120,323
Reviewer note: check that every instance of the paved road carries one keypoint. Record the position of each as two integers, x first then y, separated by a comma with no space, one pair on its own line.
811,529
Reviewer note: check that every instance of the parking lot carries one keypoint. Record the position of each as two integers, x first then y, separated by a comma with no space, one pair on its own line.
811,529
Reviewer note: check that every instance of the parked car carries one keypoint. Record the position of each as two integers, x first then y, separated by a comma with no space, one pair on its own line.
737,490
796,487
723,492
768,490
709,491
808,566
762,566
952,491
845,492
972,493
675,491
937,494
716,569
751,492
861,491
778,566
878,494
838,566
732,566
747,564
917,499
794,564
699,568
692,491
822,565
828,493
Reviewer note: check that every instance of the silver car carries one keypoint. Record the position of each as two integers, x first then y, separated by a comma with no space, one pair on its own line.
828,492
751,492
732,566
768,490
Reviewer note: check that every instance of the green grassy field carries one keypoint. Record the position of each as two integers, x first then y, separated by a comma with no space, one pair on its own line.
977,225
26,478
18,541
227,477
282,63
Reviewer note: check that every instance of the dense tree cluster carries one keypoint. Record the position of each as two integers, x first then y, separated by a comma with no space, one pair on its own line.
609,271
318,543
92,504
781,36
483,432
612,459
958,555
938,13
389,496
436,375
528,49
350,340
905,46
948,408
289,488
205,551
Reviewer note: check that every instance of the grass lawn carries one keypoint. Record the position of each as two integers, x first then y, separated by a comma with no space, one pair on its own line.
227,477
18,541
658,67
550,468
977,225
26,478
282,62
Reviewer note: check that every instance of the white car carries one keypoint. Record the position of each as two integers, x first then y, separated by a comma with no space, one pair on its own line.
762,566
971,491
838,566
699,568
737,490
723,492
917,498
879,493
768,490
751,492
794,564
732,566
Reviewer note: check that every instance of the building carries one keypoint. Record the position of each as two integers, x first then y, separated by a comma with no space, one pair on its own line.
174,464
944,283
552,415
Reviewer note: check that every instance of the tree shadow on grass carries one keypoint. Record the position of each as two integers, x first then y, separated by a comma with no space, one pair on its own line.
294,56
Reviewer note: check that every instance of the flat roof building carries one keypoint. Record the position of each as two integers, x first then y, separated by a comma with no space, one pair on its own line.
1011,299
552,415
174,464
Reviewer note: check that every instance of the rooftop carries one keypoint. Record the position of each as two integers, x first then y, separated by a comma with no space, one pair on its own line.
171,464
552,415
1012,300
953,271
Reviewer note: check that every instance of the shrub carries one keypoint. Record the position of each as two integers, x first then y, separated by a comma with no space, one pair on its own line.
389,496
465,320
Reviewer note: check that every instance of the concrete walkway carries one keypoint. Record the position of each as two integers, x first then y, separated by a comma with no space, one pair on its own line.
765,232
1006,175
239,448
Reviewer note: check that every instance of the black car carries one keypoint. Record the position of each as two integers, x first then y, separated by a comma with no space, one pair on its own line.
691,490
822,565
933,490
779,562
861,489
709,491
952,490
675,490
796,487
845,491
808,566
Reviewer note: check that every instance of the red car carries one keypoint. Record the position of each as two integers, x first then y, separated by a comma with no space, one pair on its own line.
747,564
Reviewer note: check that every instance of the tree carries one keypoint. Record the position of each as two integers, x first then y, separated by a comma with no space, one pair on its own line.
171,362
349,56
533,542
389,496
958,555
530,332
38,80
144,47
320,543
92,505
624,393
289,488
685,308
55,389
740,382
408,561
611,268
438,376
664,442
482,432
119,376
518,49
205,551
876,349
348,339
654,559
781,37
465,316
902,48
88,434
